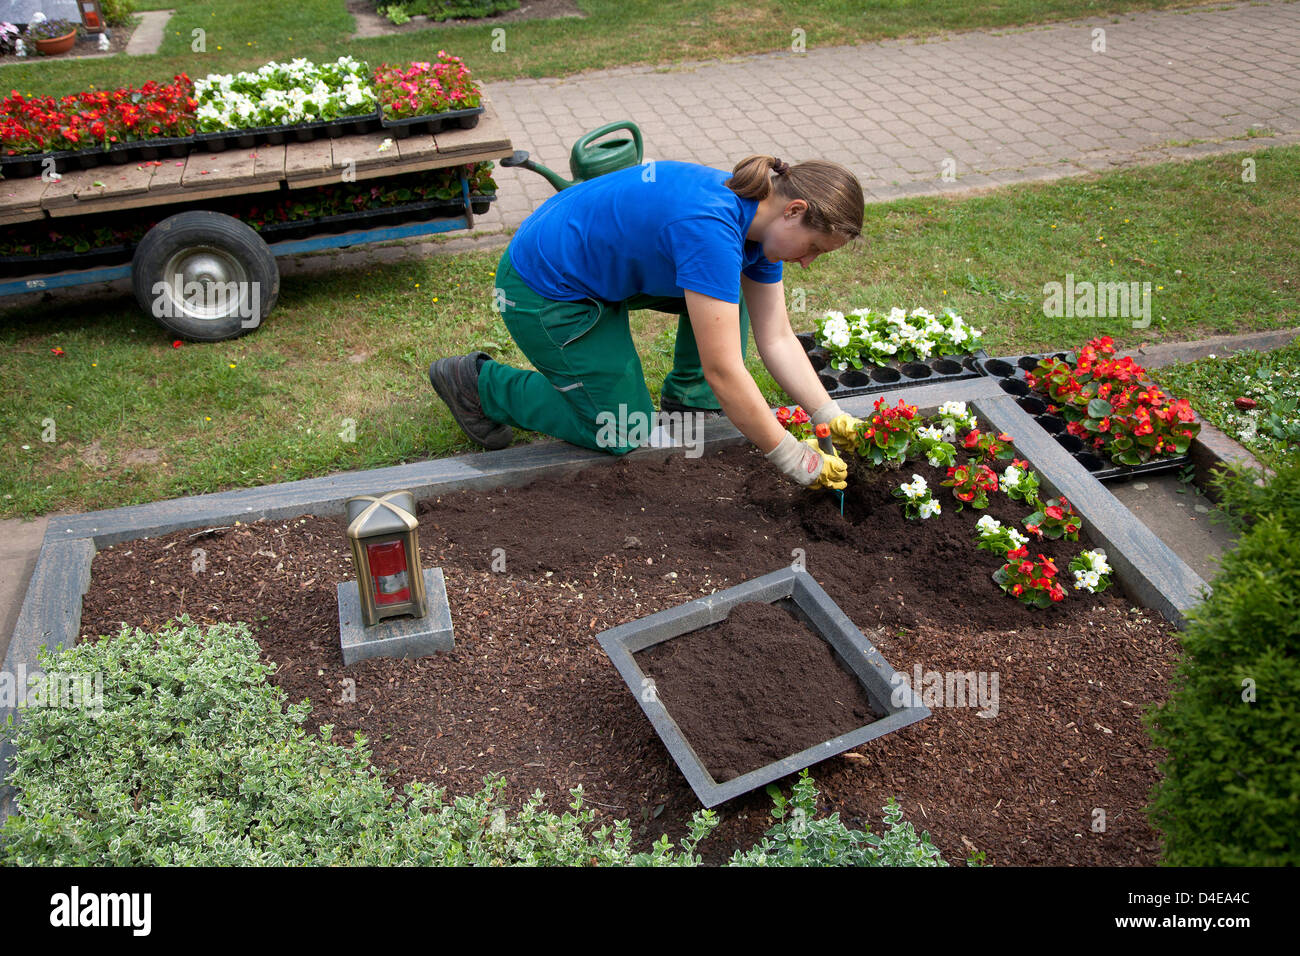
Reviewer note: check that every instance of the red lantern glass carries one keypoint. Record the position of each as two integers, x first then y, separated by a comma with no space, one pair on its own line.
389,572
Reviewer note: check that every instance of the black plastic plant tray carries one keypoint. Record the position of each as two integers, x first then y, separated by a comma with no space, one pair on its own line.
373,218
800,593
433,122
51,262
1009,371
883,378
220,140
121,154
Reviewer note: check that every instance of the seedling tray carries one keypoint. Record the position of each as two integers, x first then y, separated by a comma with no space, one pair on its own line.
51,262
1009,371
33,164
296,133
433,122
374,218
799,591
882,378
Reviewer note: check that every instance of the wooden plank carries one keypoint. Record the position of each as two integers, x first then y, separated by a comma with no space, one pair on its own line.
64,192
269,161
415,147
22,197
489,135
215,170
163,197
365,150
168,175
312,160
114,182
9,217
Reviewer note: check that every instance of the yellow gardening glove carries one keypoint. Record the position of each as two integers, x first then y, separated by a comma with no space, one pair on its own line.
806,464
843,426
834,470
844,431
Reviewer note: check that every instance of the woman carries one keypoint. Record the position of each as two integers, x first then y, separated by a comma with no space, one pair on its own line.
675,237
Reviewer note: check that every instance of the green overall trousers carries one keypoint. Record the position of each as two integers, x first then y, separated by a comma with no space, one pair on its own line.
587,365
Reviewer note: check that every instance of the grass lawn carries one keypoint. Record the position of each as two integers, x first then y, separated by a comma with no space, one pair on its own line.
1271,380
123,417
243,34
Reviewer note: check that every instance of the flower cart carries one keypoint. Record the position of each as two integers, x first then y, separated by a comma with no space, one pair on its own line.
206,266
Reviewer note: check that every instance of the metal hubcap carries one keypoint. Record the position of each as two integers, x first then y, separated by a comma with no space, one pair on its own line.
203,282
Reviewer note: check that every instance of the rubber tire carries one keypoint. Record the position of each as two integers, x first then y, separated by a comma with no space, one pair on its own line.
218,231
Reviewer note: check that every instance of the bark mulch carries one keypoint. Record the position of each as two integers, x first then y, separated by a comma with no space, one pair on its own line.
528,692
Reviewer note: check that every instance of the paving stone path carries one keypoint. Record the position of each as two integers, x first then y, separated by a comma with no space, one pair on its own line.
1002,106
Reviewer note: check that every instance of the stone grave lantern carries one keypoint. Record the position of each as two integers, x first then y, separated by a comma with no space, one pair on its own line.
395,608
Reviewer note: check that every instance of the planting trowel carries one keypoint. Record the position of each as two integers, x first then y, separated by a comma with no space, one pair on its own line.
828,448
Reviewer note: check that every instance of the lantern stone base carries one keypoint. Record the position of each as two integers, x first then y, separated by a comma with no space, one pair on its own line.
395,636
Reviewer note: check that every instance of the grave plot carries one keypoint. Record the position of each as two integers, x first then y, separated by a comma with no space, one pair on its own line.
532,579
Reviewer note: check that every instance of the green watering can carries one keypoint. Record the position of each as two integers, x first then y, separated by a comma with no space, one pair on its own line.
588,158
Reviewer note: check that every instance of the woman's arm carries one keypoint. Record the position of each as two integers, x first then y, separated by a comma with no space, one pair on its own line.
781,352
717,336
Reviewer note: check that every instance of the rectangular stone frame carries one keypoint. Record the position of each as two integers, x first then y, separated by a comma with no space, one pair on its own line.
831,624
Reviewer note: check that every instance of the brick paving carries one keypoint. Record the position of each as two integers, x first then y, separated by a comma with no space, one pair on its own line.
1005,106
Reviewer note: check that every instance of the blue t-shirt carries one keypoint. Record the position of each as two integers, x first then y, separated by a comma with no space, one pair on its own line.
653,229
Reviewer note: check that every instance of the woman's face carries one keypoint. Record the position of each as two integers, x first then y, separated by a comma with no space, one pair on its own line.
787,239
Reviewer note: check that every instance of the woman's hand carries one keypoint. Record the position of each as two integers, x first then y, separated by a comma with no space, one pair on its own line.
804,462
844,427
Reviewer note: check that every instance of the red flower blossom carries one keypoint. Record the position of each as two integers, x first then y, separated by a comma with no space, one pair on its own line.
972,439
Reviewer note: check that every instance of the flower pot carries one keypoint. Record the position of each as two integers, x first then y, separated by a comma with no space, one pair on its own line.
56,45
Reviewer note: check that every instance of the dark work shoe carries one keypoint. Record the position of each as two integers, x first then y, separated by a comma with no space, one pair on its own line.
455,380
668,405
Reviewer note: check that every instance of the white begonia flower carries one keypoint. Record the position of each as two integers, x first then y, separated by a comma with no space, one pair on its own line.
930,432
897,316
1017,538
929,508
952,409
988,524
1011,477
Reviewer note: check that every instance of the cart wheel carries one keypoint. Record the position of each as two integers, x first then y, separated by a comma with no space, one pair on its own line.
205,276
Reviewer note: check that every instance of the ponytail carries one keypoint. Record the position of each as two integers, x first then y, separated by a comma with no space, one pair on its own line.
833,194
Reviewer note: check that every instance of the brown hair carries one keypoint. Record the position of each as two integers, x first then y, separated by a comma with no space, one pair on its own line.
833,194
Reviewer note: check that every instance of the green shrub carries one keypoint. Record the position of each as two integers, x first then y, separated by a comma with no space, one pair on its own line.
799,839
117,12
446,9
1231,789
194,759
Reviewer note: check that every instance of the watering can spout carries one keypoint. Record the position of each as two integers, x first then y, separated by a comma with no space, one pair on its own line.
590,158
521,159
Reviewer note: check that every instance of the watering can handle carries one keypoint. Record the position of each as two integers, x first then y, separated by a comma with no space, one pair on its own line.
596,134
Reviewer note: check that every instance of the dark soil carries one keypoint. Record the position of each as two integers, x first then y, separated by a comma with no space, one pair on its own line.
754,689
529,693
